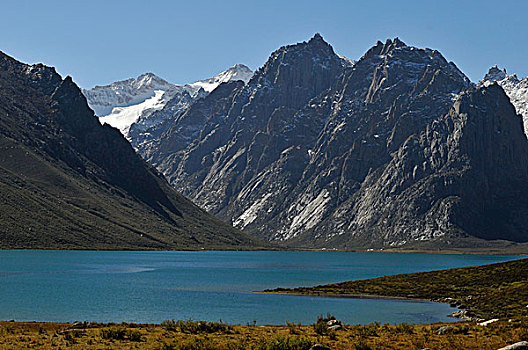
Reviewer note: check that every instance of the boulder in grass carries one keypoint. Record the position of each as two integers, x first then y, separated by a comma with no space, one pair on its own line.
335,327
522,345
443,330
319,347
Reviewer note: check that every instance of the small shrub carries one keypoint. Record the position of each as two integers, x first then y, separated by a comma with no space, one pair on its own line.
461,330
170,325
404,328
165,346
196,327
71,334
115,333
523,333
193,343
120,333
77,333
369,330
361,345
285,343
320,327
134,336
293,327
68,337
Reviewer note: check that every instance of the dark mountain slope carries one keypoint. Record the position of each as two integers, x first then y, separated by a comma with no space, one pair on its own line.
68,182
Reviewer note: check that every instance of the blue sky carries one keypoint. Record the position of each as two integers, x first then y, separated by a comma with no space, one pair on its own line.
97,42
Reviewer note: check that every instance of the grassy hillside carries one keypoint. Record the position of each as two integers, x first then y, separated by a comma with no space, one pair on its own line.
46,205
488,291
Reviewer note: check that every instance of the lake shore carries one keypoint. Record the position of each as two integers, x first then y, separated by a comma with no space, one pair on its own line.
516,249
497,290
346,296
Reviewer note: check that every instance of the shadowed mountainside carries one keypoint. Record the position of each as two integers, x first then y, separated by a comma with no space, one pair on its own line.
68,182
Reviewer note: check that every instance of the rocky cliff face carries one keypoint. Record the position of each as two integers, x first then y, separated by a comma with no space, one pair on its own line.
463,174
69,182
398,147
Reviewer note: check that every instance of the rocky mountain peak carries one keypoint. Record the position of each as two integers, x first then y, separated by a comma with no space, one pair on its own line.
150,80
242,69
295,73
132,105
316,47
395,63
317,39
398,43
381,48
393,72
390,45
495,74
44,78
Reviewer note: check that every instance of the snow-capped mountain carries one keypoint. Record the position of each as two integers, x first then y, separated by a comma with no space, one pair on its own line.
124,103
133,91
237,72
515,88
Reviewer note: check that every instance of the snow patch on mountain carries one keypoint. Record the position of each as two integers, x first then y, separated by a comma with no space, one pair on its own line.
134,100
515,88
123,117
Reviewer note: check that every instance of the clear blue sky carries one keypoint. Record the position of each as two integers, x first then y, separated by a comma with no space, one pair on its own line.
97,42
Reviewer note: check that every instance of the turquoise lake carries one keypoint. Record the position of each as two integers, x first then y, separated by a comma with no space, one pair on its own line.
124,286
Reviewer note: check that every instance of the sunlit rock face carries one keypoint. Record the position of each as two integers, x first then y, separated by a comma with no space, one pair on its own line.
318,151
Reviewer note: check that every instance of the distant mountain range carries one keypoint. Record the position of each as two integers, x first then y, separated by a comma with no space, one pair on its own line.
66,181
313,150
397,149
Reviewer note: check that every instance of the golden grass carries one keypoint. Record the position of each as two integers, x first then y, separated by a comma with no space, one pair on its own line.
460,335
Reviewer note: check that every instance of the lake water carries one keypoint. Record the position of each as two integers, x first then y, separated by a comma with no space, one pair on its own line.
207,285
